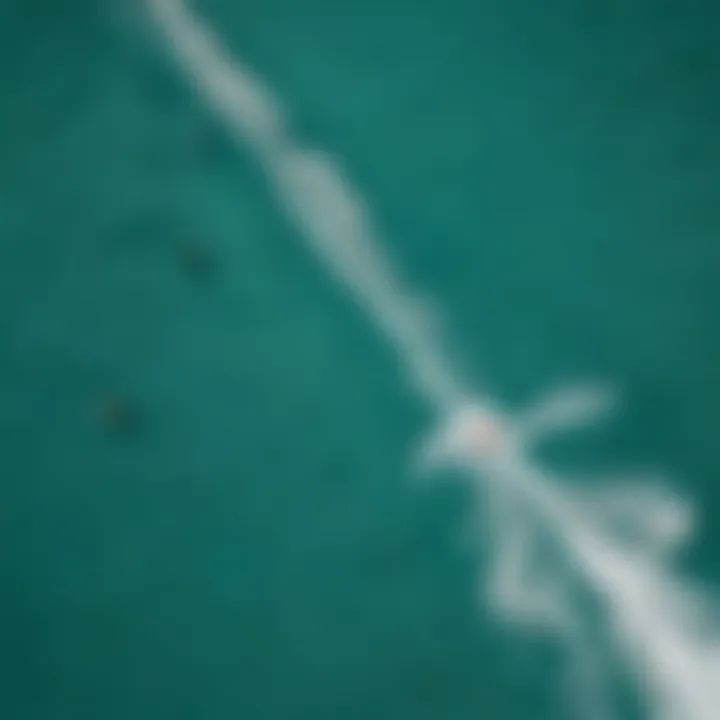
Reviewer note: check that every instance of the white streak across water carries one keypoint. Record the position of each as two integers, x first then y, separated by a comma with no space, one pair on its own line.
616,539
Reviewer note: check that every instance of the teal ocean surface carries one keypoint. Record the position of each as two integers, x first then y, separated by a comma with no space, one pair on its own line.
207,506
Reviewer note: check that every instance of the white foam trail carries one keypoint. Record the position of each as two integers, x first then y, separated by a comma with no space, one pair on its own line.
313,190
565,409
659,623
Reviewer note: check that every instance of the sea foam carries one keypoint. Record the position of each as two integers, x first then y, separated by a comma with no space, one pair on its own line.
617,539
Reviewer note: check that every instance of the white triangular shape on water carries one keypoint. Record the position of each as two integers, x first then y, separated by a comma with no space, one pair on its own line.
663,627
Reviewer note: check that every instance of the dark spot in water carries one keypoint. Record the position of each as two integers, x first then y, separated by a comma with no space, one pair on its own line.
117,414
202,142
197,261
155,79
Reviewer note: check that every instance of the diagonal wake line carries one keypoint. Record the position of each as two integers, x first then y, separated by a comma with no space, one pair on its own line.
619,538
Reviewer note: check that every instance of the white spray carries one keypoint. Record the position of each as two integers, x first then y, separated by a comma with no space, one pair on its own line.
618,537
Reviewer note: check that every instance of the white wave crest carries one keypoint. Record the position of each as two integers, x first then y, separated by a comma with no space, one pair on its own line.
616,539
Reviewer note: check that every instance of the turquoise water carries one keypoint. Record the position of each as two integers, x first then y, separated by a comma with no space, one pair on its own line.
256,548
